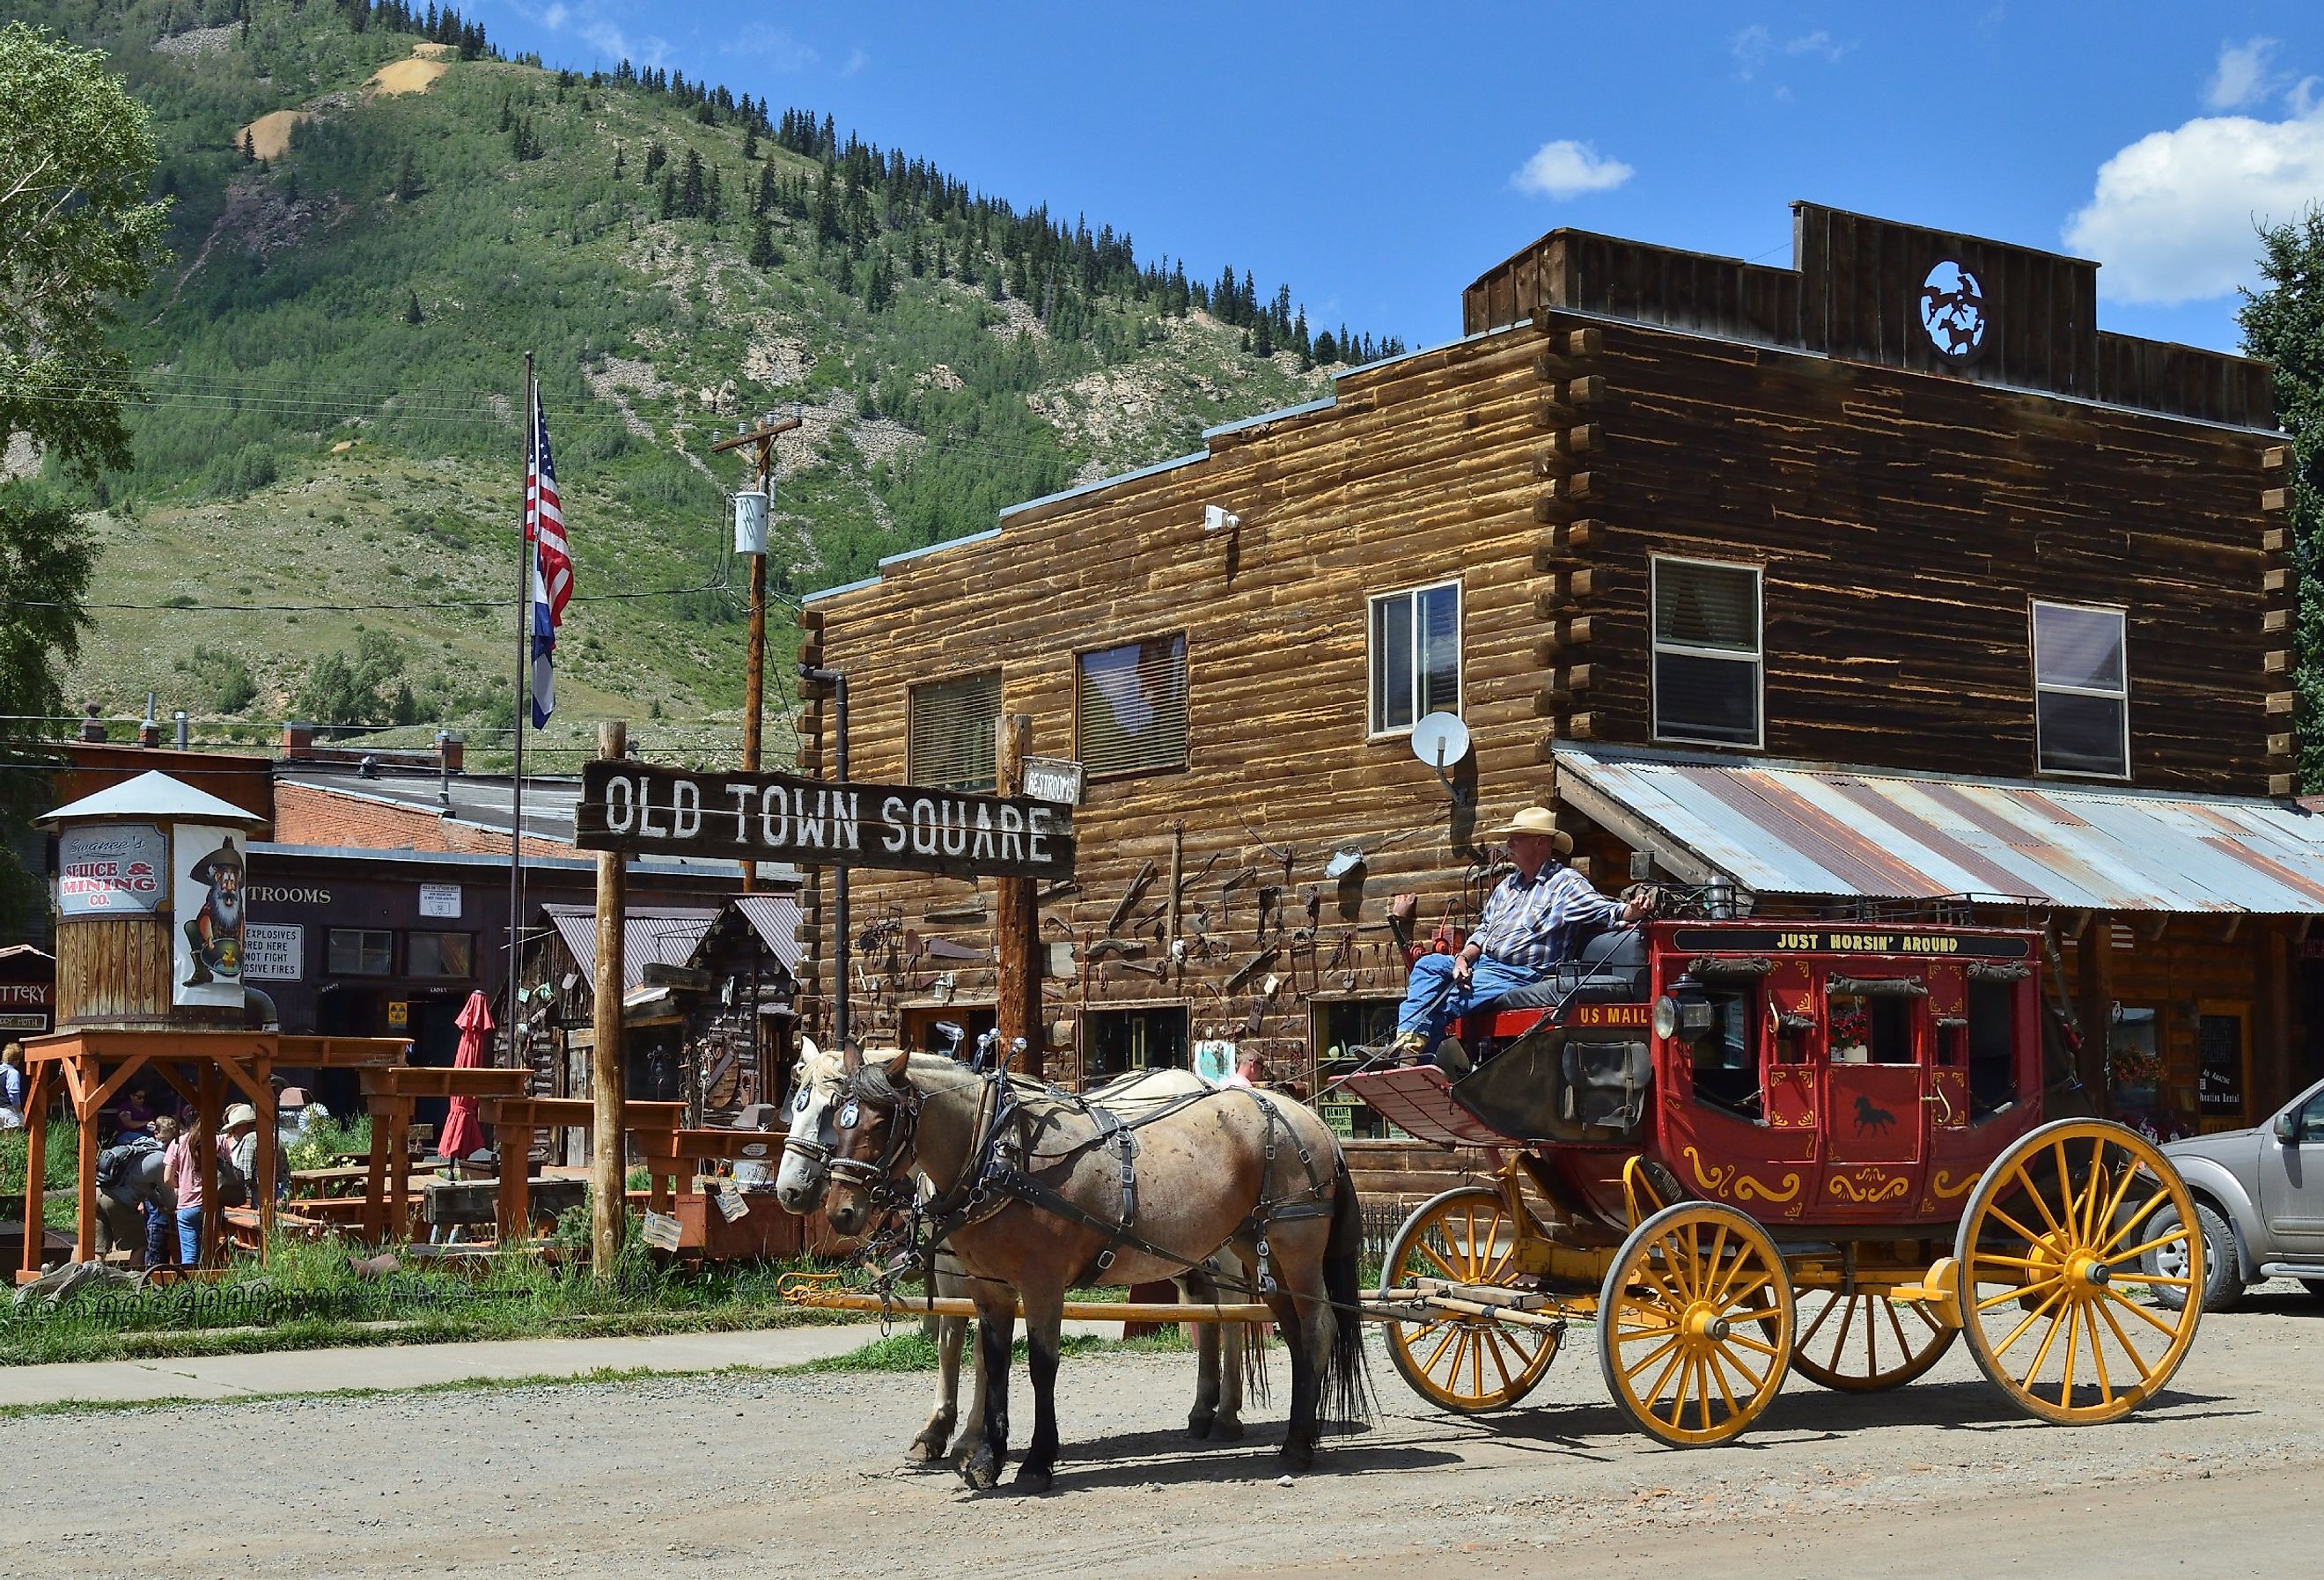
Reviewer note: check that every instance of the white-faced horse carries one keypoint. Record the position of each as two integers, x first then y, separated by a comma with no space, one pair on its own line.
1223,1359
1036,1192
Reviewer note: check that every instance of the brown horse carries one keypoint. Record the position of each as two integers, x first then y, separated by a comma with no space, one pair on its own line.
1037,1194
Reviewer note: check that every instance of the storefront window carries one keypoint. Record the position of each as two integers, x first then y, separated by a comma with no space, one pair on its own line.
1122,1040
1338,1025
451,954
361,952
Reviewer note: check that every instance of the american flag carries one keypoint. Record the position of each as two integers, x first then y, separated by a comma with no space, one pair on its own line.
552,563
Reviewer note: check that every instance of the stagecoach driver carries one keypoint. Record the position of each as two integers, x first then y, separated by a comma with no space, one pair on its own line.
1532,921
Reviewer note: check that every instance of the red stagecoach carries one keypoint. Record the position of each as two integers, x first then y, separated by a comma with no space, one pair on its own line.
1746,1146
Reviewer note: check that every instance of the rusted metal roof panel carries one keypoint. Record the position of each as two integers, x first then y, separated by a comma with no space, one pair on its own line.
1794,829
776,920
661,934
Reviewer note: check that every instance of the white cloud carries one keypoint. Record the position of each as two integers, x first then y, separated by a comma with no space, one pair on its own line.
1755,46
1567,169
857,59
2174,214
2242,78
554,18
777,46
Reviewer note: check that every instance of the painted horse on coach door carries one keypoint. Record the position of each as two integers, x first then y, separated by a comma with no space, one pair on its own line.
1036,1193
1227,1355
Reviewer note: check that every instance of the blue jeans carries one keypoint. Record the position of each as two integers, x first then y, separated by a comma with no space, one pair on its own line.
189,1236
160,1232
1432,998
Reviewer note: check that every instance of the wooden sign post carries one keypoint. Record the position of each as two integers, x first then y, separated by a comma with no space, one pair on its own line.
639,808
608,1168
1016,922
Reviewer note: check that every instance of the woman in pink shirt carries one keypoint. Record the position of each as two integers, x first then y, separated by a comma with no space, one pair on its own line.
181,1169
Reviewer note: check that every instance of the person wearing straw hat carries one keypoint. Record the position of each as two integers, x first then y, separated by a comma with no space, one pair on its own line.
1531,921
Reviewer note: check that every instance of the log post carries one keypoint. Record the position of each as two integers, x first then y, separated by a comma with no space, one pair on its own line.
2094,961
36,1161
1016,927
85,1216
609,1202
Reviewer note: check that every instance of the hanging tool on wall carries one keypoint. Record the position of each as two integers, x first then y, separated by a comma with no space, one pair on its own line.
1137,890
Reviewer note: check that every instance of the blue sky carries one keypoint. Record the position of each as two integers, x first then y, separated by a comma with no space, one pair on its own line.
1379,157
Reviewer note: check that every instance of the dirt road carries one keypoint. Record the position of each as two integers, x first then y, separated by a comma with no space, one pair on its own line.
759,1475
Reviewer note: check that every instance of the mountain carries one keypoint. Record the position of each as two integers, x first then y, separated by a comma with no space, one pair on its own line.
376,216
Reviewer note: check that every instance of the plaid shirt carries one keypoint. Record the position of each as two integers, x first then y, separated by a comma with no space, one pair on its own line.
1529,921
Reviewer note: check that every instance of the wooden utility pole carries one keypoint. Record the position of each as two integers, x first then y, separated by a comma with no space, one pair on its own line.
754,663
1016,927
608,1171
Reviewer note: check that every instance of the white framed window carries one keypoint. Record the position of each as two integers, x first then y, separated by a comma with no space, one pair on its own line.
1416,656
950,742
1708,680
2081,690
1129,706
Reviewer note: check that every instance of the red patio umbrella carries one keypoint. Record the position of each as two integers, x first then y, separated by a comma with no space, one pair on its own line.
462,1133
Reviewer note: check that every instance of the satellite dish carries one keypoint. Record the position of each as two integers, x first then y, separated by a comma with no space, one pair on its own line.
1440,740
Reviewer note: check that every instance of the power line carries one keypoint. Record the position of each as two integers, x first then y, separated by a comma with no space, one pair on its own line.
708,587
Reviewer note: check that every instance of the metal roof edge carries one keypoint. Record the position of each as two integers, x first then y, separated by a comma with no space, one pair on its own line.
1322,404
927,548
1484,334
1159,467
840,591
2048,787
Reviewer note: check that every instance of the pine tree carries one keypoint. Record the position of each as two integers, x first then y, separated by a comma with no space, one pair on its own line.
762,245
668,195
249,148
508,116
764,203
940,258
918,259
751,141
411,309
620,162
407,179
690,194
656,157
713,200
1262,336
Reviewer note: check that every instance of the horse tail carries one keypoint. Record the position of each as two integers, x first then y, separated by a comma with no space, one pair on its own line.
1345,1391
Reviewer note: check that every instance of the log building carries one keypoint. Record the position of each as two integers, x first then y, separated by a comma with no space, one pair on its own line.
1888,575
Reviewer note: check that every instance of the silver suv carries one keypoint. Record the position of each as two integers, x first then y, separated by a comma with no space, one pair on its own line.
2259,1198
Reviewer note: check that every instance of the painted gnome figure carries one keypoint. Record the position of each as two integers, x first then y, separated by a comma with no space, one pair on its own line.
213,933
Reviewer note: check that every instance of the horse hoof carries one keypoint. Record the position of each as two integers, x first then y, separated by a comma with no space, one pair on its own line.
1029,1480
1198,1425
1299,1456
981,1473
925,1451
1227,1429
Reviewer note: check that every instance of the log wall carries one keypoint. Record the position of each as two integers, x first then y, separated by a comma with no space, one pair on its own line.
114,972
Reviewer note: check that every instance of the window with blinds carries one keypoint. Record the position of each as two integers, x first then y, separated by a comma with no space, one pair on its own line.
952,732
1707,653
2081,691
1129,706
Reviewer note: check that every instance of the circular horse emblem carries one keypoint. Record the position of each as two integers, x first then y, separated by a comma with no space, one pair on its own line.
1952,310
847,1115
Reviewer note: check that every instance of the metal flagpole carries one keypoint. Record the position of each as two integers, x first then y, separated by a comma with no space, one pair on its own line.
523,701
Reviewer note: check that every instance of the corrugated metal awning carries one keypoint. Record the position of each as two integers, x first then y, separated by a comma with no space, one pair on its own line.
776,920
1812,830
663,934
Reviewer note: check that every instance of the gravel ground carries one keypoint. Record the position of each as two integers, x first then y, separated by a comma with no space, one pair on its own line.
770,1475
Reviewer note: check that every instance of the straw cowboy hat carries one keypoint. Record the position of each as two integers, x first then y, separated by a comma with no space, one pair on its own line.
241,1114
1539,820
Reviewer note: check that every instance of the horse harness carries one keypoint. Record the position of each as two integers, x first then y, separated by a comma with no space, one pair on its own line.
996,1176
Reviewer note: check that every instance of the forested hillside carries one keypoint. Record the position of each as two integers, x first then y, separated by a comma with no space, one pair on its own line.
376,216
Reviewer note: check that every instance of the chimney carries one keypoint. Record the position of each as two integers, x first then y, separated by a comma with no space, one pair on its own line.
298,740
184,732
451,749
92,727
149,734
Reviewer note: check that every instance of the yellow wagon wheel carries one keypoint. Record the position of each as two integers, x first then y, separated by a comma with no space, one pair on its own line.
1465,1363
2054,1252
1695,1322
1866,1343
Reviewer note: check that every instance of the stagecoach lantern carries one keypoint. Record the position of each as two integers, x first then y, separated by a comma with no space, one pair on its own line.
1719,899
1685,1010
